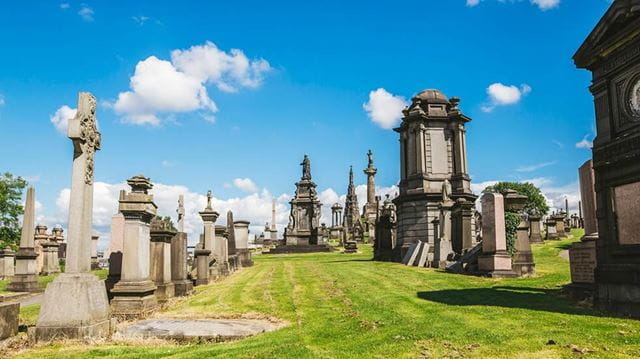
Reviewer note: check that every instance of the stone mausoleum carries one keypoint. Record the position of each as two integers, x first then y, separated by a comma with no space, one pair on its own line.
304,219
612,53
433,171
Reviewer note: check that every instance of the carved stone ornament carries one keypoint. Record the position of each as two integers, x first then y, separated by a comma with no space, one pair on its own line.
634,99
89,135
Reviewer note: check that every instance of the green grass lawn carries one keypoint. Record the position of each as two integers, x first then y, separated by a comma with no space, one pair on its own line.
346,306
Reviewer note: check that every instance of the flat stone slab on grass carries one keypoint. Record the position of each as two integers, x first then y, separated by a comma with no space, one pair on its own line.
203,329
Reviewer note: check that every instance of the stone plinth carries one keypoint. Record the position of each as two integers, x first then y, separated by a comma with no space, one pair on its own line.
494,261
241,229
26,272
552,233
523,263
221,249
535,235
162,234
50,263
209,217
182,285
202,263
7,263
133,295
75,304
9,319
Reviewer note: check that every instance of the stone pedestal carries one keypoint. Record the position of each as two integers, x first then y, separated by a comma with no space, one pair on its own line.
304,218
222,251
552,233
50,263
523,263
182,285
162,234
494,261
209,217
202,263
560,227
535,235
241,229
75,304
7,263
134,293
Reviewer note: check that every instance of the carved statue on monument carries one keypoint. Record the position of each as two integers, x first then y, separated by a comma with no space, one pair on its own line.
306,168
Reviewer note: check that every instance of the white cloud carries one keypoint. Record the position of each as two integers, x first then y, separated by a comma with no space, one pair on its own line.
585,143
166,163
86,13
140,19
384,108
245,184
2,100
226,70
546,4
504,95
535,167
61,117
541,4
65,5
178,86
158,87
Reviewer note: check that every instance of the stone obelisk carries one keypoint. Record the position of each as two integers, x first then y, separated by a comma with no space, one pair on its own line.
26,273
75,304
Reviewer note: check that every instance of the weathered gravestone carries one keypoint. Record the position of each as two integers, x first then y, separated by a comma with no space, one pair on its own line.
495,261
241,230
162,234
612,53
133,295
535,235
9,319
75,304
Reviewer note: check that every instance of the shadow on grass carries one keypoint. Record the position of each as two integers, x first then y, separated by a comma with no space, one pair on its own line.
548,300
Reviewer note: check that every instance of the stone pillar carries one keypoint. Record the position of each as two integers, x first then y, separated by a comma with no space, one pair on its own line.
209,217
588,198
7,263
26,273
162,234
231,244
534,229
40,238
241,229
552,233
182,285
494,261
133,295
202,260
75,304
95,263
461,216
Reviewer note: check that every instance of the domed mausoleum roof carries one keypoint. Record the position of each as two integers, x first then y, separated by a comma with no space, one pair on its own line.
431,96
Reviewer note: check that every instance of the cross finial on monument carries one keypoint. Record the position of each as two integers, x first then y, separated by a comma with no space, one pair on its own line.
83,131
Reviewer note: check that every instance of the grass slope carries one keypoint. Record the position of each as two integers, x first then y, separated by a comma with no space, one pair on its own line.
345,306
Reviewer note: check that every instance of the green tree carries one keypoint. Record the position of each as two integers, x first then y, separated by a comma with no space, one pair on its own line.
10,209
535,200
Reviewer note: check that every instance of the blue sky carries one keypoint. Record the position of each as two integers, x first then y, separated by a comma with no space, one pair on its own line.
296,84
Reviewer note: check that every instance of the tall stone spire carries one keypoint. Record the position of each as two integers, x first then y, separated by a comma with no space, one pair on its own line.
351,210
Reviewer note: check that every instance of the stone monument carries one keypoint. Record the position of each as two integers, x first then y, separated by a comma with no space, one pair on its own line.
241,230
116,246
494,261
95,264
221,248
551,232
304,219
133,295
384,245
161,236
611,53
26,272
7,263
432,150
335,232
535,235
202,263
522,261
182,285
50,261
75,304
209,217
351,210
370,211
40,237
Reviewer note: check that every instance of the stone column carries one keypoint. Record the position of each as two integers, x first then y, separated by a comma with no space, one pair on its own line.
534,229
40,238
95,264
494,261
75,304
588,198
241,229
7,263
231,235
162,234
209,217
116,247
182,285
202,260
26,273
222,250
134,293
